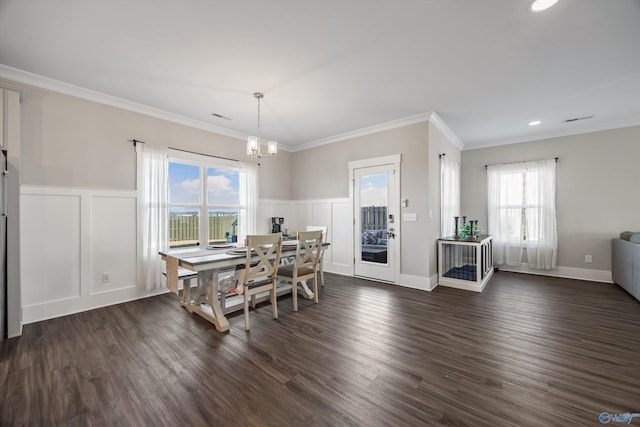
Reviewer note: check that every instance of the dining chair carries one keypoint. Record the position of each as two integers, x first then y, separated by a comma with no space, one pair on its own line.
322,228
308,250
261,276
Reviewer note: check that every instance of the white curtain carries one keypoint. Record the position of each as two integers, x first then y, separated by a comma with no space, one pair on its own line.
152,163
248,201
522,213
449,195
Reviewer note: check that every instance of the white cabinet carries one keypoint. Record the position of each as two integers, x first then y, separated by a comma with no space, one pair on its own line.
465,263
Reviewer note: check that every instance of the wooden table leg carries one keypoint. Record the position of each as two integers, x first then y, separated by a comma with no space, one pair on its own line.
307,293
209,285
186,292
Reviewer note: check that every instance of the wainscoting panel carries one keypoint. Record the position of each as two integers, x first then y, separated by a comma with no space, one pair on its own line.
49,247
334,213
69,237
321,215
302,214
113,243
341,238
271,208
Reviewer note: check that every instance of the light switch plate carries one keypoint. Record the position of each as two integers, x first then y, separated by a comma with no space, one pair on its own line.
410,217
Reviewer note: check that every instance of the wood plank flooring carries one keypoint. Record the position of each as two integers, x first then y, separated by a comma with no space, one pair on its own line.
528,351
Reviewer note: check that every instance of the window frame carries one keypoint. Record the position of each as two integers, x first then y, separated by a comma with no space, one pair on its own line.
204,163
523,206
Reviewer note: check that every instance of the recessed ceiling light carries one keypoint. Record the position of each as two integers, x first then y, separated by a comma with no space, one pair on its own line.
535,122
540,5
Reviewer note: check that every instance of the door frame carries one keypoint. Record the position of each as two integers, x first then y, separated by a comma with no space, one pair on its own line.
395,160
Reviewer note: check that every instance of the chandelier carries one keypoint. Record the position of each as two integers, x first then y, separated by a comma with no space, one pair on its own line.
254,143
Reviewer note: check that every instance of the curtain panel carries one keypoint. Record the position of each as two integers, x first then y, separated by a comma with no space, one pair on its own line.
152,181
247,223
449,195
522,213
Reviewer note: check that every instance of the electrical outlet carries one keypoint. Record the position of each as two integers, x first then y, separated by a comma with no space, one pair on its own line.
106,277
588,259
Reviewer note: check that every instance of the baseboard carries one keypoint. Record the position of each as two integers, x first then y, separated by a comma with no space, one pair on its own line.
16,335
64,307
341,269
433,280
564,272
405,280
415,282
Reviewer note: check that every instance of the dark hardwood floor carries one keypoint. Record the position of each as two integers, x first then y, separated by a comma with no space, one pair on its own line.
528,351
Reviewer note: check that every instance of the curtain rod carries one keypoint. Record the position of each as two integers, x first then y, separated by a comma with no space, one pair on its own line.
525,161
137,141
440,155
206,155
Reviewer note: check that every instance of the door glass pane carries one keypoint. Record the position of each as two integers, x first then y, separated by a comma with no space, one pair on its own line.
374,199
223,225
184,226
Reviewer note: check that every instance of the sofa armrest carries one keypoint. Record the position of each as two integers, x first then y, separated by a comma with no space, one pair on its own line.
622,263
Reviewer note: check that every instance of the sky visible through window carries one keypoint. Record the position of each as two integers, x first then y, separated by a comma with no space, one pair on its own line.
373,190
185,186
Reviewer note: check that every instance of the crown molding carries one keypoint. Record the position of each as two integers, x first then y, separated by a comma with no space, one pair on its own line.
431,117
27,78
422,117
442,127
41,82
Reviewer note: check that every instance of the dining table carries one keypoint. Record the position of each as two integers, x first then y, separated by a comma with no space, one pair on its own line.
208,263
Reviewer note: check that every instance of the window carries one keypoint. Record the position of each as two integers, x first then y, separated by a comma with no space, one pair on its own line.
522,214
204,200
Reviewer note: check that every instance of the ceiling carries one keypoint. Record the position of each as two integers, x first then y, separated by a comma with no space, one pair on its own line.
331,67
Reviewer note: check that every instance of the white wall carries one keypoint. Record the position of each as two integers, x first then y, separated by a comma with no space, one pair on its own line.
335,214
596,198
74,174
323,172
75,143
69,238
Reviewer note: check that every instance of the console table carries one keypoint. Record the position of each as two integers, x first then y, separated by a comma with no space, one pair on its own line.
465,263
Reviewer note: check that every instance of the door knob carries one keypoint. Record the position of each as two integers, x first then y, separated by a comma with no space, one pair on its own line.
391,234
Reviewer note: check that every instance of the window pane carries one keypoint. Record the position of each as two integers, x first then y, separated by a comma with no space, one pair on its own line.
223,225
510,221
184,227
184,183
374,196
223,186
511,187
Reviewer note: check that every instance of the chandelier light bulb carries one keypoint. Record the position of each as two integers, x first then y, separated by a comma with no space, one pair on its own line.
272,147
254,142
252,145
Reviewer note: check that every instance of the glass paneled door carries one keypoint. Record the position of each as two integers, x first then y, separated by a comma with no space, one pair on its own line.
375,222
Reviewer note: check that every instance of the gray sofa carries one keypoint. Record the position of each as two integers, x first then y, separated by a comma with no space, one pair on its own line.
625,262
374,246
